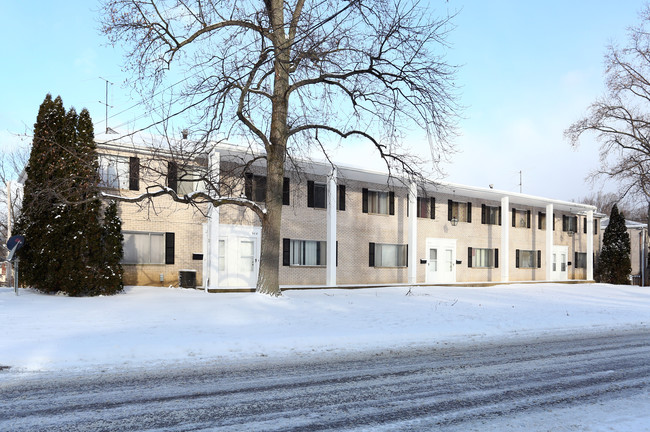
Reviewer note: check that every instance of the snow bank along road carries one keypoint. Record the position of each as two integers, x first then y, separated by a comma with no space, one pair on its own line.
457,387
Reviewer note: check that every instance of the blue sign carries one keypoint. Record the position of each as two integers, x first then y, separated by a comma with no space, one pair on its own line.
16,241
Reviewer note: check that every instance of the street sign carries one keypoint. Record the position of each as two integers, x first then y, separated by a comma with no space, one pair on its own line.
13,244
16,241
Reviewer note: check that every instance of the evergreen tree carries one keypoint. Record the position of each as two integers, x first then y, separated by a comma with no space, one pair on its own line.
62,214
614,261
112,241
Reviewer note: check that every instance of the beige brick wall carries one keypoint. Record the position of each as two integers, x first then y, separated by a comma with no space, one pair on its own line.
355,230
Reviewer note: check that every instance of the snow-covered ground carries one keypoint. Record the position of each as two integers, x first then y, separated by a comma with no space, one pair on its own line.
148,325
156,327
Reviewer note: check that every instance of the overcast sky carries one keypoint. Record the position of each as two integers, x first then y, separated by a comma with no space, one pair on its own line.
528,70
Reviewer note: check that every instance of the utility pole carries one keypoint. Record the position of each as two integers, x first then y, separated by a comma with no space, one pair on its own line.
9,212
105,103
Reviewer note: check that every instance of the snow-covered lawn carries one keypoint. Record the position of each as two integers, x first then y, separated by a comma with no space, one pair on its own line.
147,325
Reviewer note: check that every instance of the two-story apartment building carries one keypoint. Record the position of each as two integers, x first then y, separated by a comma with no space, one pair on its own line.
344,226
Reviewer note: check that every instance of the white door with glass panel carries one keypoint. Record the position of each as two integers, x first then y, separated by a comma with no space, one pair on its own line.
441,261
559,263
238,259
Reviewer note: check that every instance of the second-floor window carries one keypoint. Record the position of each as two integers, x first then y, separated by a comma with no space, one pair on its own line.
378,202
490,215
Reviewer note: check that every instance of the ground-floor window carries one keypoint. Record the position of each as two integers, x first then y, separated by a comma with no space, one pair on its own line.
308,253
144,248
581,260
483,257
388,255
528,258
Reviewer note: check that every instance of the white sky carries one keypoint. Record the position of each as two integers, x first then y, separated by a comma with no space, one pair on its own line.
529,69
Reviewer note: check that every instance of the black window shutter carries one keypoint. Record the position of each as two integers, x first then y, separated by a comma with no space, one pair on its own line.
514,218
134,173
248,186
499,215
595,226
337,253
286,191
169,247
407,255
469,257
286,252
318,253
483,210
391,202
496,258
539,220
341,197
371,255
450,207
575,223
172,176
517,258
433,208
539,259
364,197
584,226
469,212
310,193
527,218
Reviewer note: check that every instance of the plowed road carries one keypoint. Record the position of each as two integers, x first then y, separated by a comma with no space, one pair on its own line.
443,387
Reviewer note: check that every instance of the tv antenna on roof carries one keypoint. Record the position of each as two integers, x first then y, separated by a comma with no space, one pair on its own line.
105,103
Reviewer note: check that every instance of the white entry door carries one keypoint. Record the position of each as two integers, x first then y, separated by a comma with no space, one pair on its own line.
441,261
238,257
559,262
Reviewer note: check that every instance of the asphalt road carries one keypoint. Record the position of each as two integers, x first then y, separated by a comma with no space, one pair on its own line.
436,388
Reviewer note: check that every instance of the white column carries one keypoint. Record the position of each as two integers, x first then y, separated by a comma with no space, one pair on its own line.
590,245
330,278
413,234
549,241
211,234
504,256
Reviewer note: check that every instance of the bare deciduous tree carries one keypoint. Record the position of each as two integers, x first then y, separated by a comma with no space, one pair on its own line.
289,76
621,118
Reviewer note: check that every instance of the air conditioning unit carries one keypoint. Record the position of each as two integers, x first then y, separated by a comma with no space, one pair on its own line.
187,278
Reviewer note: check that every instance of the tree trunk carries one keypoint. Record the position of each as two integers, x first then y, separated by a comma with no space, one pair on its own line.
268,279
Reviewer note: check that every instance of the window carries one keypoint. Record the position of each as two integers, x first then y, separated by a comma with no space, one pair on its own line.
305,252
520,218
190,181
570,223
119,172
581,260
255,188
528,258
317,195
308,253
460,211
426,208
490,215
222,256
378,202
388,255
584,226
148,248
482,258
541,221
